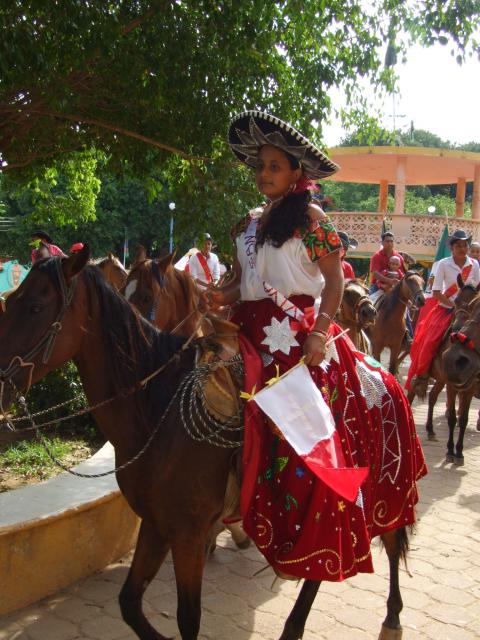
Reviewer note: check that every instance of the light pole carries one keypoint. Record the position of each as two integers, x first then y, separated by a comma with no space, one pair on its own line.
171,206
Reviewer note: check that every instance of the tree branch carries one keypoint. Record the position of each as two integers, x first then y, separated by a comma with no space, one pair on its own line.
111,127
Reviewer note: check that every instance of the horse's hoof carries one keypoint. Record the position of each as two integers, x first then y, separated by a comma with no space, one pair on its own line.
239,536
244,544
390,634
449,457
432,436
458,461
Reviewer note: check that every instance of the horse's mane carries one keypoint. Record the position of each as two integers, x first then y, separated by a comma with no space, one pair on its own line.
135,348
391,297
100,262
357,281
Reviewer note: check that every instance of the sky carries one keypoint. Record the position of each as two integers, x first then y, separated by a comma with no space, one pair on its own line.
435,93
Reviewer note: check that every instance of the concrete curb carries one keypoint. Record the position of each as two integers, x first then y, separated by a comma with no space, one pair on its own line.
61,530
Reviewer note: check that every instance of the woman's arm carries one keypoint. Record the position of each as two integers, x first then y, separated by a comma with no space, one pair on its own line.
227,294
331,269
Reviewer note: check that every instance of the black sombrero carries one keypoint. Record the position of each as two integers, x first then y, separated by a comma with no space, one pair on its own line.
251,130
348,243
457,235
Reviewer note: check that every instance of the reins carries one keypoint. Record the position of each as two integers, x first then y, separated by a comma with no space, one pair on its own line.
407,301
48,340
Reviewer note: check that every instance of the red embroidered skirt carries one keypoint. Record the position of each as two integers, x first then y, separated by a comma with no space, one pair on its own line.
301,526
429,333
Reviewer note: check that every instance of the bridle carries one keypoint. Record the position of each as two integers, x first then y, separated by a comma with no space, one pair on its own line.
409,302
362,301
47,341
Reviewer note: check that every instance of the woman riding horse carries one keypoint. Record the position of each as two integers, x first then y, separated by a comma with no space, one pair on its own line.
287,255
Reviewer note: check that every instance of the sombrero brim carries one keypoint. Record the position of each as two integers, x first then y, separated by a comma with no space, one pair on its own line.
251,130
451,239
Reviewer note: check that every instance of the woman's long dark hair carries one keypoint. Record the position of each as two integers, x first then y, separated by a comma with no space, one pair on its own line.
289,215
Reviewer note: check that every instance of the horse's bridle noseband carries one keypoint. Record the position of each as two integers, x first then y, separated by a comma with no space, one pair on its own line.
408,302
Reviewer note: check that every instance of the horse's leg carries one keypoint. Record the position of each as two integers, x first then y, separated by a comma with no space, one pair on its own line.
396,546
149,554
393,365
464,400
452,421
432,399
478,420
295,624
410,396
188,551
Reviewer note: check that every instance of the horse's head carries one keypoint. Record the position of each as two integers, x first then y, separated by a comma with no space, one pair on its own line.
411,289
36,328
162,294
113,271
461,361
466,294
356,304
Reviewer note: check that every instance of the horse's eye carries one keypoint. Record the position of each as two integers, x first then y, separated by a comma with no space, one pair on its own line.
147,299
35,307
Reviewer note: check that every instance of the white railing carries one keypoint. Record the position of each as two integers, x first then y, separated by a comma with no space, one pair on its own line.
416,234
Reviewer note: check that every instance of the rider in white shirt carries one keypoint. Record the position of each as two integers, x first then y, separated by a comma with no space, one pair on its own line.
204,266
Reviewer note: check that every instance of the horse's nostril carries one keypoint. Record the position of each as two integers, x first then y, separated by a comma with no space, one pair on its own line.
462,362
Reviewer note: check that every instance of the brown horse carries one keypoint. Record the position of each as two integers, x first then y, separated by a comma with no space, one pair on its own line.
389,328
466,294
461,365
113,271
164,295
356,313
172,471
170,299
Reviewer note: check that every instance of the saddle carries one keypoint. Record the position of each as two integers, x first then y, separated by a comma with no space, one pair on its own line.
377,299
220,389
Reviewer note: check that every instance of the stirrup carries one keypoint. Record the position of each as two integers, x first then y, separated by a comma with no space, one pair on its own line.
419,385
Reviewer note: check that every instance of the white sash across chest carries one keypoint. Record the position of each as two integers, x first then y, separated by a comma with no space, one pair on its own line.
303,320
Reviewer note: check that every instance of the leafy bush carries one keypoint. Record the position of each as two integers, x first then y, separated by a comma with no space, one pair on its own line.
58,387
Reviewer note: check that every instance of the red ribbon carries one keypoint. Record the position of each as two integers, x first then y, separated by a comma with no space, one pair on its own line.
463,339
306,323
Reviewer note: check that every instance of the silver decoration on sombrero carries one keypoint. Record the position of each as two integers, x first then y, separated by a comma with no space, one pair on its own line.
255,139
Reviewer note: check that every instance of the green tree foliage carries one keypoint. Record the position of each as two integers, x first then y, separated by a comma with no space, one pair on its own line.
144,89
138,79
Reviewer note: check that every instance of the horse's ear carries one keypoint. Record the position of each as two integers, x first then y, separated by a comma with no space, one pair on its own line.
140,256
110,255
460,281
74,264
166,261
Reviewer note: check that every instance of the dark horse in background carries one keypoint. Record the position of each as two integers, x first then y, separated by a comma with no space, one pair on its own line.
389,328
461,369
356,313
461,313
65,310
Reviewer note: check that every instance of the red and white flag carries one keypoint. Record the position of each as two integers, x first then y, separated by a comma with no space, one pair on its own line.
298,409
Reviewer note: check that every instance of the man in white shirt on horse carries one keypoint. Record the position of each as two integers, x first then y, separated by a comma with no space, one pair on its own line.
204,266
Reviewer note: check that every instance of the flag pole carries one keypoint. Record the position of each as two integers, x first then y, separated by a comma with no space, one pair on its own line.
125,247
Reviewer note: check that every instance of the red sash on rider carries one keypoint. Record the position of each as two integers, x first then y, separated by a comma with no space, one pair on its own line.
203,261
452,289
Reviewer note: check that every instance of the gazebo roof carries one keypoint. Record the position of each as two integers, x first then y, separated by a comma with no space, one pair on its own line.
424,165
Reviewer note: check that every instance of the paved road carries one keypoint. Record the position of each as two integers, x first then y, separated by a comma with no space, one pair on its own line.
441,599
